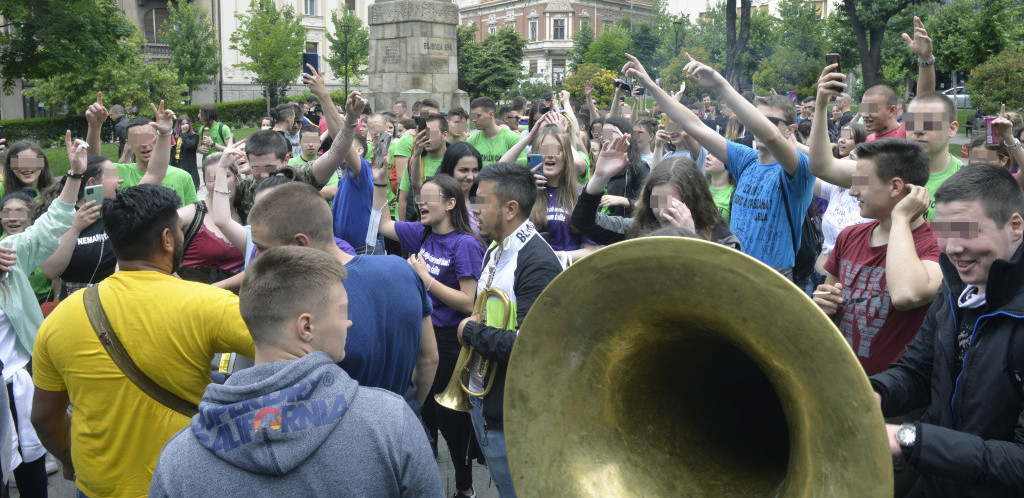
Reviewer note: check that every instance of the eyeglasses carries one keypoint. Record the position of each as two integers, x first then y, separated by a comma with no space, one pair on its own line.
776,121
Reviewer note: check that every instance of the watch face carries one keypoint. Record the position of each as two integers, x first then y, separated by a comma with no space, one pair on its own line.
906,435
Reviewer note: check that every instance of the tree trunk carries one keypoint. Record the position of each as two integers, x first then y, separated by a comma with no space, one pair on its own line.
735,45
869,40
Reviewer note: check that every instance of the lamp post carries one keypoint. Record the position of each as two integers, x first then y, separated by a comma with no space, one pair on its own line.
675,27
345,28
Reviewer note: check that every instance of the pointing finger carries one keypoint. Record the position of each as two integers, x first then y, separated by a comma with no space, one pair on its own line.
99,98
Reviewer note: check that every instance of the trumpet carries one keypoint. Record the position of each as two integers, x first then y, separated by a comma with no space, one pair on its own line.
471,364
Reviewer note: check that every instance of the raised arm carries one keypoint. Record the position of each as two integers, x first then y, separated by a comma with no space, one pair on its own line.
95,115
921,46
160,160
380,200
912,282
315,81
512,155
823,164
616,111
588,90
327,164
1004,127
221,208
691,123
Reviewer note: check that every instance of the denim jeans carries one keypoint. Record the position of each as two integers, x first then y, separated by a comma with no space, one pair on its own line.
492,444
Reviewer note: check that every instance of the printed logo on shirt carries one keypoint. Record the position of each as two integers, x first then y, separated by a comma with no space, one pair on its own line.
556,213
275,422
865,310
434,263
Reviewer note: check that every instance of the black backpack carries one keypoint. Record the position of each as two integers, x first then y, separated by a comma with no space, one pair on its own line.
811,237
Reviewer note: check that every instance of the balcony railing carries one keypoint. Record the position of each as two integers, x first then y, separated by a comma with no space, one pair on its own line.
157,51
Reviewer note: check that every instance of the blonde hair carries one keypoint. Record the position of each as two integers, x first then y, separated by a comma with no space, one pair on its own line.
568,184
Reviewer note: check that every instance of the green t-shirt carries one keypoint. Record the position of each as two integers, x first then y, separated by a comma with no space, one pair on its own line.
936,180
220,133
296,161
176,179
723,197
402,148
491,149
430,166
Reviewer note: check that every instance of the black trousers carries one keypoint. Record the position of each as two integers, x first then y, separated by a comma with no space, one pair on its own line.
30,476
456,427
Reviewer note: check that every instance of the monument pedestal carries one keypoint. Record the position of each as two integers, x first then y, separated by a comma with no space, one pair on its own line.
413,51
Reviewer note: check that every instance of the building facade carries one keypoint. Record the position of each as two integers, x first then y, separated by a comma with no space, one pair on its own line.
548,26
697,9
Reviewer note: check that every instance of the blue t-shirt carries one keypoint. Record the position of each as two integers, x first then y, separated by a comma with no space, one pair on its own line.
352,205
386,303
758,216
449,257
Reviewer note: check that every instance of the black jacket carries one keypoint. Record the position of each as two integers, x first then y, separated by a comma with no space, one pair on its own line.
532,268
628,185
971,443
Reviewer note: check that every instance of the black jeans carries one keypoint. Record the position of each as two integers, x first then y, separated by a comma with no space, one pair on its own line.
456,427
30,476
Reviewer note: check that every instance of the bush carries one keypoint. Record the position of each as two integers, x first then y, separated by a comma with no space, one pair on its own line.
997,81
47,131
238,114
786,70
600,78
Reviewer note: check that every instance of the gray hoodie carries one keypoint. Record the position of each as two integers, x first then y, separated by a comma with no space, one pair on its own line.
298,428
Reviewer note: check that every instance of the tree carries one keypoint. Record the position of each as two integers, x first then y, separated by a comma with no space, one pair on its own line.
580,44
193,42
492,67
645,42
272,40
358,62
609,49
600,78
123,77
800,27
788,69
735,43
966,33
998,80
869,21
46,39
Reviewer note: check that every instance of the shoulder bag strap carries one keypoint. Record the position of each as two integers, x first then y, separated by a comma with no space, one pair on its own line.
110,341
789,218
196,225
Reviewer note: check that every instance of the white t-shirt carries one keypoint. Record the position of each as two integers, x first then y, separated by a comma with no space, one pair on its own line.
14,358
842,212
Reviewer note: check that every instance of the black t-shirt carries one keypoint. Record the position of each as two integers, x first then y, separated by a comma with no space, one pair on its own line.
93,259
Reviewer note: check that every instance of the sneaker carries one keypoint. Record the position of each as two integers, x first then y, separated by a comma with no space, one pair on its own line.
460,494
51,465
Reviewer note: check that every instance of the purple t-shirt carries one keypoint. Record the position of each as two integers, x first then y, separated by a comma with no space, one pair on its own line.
449,257
559,236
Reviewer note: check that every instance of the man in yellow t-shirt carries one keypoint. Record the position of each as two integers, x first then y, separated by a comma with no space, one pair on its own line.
170,327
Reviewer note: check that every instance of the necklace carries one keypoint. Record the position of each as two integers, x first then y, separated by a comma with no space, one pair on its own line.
99,261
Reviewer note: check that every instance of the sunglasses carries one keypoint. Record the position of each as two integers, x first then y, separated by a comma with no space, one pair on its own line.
777,121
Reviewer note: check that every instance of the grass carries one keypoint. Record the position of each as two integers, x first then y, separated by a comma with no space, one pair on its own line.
58,156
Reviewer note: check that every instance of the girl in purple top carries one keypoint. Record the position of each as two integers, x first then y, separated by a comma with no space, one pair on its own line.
561,191
449,258
463,162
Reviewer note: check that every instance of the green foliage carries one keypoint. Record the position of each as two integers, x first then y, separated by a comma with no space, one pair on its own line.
609,49
236,114
672,76
45,130
786,70
966,33
998,80
358,62
193,42
644,43
57,38
531,90
123,77
599,77
492,67
580,44
271,42
801,28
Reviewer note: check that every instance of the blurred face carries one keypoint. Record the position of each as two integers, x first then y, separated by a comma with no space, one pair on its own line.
264,166
142,139
210,177
389,127
878,115
846,142
428,110
972,240
457,126
296,125
713,165
435,137
481,118
265,124
981,154
661,198
927,124
554,157
15,216
706,100
399,130
398,109
331,325
777,118
186,126
609,133
374,127
465,172
310,143
488,210
595,130
434,208
873,195
28,165
110,179
807,110
512,120
641,136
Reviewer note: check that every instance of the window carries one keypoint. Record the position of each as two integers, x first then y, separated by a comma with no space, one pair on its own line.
559,29
151,23
310,7
311,47
492,29
533,30
533,67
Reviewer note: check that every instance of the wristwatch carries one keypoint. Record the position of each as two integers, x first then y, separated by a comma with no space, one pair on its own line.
906,436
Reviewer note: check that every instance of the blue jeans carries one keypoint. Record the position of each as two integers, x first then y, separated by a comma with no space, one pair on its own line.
492,444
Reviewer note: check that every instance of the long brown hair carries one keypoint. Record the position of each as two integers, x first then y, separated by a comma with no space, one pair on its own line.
568,183
683,174
459,217
12,183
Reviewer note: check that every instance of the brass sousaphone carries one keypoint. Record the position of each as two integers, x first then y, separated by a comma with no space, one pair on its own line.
678,367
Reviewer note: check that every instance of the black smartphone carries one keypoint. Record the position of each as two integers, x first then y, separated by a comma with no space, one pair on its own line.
311,58
421,123
833,59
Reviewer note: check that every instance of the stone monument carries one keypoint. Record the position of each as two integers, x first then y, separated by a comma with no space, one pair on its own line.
413,53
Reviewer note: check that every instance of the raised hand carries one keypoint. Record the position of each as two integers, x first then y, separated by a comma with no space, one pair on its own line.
76,153
831,83
635,69
354,105
588,89
314,81
702,74
1003,126
913,205
96,114
920,45
164,119
86,215
613,158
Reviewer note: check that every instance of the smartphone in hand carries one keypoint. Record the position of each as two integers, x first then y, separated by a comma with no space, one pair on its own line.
94,193
833,59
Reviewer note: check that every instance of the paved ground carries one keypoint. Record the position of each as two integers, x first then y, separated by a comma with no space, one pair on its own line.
59,488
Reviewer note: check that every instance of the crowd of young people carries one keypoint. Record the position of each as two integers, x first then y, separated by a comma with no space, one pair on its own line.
358,242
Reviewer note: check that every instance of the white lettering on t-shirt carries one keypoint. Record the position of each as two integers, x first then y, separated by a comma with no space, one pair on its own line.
92,239
868,304
434,263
